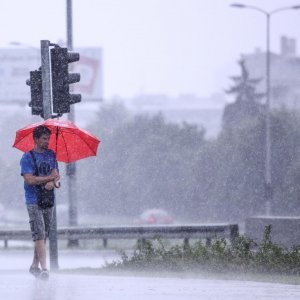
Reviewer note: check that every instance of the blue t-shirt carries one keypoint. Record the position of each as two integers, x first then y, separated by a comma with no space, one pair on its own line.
46,162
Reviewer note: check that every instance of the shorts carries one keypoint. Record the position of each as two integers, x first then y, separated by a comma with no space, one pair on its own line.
40,221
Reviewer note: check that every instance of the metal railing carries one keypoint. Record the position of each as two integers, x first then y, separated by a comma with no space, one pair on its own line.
186,232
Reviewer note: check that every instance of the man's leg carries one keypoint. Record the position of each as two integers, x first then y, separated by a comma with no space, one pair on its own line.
47,220
35,262
40,249
41,244
37,227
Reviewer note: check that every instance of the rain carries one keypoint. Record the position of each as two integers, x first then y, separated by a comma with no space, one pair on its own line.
179,177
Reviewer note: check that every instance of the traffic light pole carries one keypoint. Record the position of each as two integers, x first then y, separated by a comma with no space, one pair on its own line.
46,79
71,167
50,94
47,113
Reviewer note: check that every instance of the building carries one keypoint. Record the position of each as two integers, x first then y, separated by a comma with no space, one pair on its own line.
284,74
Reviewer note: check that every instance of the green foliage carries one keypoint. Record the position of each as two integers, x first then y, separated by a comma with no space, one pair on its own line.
243,255
245,87
145,162
246,106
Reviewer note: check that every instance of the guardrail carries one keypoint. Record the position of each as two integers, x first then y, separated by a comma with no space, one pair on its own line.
185,232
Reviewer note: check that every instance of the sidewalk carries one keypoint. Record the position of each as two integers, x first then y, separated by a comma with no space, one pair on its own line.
18,259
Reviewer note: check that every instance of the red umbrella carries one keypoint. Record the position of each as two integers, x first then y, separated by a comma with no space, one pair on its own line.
69,142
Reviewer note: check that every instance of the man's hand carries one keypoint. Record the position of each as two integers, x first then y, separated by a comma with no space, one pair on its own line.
56,179
49,185
55,175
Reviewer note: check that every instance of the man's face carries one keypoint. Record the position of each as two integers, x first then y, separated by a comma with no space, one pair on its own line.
43,141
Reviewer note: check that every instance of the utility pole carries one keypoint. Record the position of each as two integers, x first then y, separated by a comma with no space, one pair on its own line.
71,167
47,113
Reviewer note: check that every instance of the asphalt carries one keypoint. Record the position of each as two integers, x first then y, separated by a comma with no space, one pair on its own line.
16,283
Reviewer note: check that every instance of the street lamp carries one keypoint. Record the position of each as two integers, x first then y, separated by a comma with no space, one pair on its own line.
268,179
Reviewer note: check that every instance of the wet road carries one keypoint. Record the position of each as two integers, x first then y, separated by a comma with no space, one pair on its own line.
16,283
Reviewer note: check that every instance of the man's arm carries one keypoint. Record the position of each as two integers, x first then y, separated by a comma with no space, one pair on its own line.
36,180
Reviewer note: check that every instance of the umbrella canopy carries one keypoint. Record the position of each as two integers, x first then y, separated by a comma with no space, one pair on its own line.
69,142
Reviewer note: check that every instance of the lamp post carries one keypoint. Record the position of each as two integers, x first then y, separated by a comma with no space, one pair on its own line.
268,178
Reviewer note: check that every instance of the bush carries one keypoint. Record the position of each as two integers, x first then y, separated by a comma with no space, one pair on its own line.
243,255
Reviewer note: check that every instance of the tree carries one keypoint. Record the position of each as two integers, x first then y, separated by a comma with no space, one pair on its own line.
247,103
238,152
143,162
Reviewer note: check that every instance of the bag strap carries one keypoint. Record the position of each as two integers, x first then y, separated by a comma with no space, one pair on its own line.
37,173
35,164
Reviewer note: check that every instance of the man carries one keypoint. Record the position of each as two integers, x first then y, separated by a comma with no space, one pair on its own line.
43,160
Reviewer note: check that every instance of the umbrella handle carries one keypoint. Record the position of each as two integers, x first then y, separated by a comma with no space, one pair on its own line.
57,184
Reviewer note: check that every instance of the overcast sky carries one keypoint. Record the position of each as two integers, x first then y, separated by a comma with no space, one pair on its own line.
154,46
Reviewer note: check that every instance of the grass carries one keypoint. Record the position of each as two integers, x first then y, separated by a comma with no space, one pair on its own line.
243,259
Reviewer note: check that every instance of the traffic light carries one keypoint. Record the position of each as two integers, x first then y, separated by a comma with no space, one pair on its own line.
36,90
61,79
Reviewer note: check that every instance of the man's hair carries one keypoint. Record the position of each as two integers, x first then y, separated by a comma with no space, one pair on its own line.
40,130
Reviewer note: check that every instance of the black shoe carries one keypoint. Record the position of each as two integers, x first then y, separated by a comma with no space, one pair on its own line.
44,274
35,271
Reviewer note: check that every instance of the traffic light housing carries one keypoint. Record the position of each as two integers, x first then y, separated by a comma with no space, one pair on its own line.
36,91
61,79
